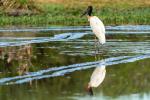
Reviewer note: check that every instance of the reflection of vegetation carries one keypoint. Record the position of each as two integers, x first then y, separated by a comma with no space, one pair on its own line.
16,58
52,57
58,12
122,79
26,58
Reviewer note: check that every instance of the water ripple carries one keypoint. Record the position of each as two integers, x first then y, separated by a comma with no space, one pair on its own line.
73,28
62,70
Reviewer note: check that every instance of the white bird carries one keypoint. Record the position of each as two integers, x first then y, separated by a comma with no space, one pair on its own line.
97,78
96,24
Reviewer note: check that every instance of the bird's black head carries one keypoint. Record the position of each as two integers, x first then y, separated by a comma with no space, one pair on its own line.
88,11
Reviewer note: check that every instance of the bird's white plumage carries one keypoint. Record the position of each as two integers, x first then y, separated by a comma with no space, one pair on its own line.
98,28
97,76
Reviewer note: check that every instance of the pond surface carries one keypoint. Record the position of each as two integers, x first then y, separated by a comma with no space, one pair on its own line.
56,63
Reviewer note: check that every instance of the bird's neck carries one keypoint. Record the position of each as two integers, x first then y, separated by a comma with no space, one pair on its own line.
89,17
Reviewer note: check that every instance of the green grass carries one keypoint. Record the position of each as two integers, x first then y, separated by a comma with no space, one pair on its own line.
58,14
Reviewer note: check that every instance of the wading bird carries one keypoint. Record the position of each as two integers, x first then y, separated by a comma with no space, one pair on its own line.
97,78
96,25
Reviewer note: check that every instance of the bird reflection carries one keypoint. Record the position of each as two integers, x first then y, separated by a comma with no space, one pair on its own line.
97,78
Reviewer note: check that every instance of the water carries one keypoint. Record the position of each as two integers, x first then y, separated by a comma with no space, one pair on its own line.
55,63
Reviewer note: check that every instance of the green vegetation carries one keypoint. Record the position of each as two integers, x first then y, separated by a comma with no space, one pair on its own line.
113,12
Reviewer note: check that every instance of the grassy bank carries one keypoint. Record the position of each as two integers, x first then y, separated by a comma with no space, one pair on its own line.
114,12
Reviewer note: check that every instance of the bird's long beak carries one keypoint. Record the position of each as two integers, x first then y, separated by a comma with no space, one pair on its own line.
89,91
85,12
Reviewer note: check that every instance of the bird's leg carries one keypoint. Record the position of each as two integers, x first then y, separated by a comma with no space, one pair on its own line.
97,44
95,49
98,49
101,50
